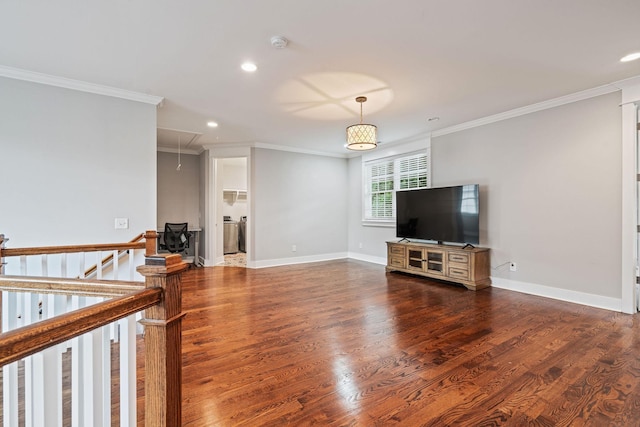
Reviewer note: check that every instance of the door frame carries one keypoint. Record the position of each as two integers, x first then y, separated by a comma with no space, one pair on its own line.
629,263
214,199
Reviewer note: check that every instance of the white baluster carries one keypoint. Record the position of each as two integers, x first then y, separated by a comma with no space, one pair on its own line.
44,259
33,368
98,265
102,376
52,383
132,265
77,368
115,265
128,371
63,266
9,372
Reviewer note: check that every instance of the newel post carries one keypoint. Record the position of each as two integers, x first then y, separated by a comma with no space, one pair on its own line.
163,342
150,242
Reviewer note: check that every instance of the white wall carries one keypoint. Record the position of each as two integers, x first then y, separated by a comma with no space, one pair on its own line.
178,191
298,199
71,163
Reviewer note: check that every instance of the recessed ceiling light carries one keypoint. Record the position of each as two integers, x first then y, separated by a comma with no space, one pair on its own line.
212,124
630,57
249,67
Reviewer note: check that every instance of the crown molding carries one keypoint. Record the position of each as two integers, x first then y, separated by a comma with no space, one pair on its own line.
299,150
46,79
544,105
630,89
175,151
273,147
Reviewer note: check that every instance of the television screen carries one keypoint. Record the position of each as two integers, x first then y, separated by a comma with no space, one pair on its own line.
447,214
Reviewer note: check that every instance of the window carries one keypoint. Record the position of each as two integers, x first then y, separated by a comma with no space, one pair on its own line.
384,176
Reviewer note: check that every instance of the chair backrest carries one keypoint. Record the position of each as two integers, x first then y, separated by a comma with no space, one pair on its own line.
176,236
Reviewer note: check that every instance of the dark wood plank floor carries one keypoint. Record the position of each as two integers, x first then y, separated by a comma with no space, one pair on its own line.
345,344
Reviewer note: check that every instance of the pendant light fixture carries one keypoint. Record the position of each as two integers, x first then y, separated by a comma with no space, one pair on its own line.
362,136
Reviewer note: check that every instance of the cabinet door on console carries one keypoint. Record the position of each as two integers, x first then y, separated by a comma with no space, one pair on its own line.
435,262
415,258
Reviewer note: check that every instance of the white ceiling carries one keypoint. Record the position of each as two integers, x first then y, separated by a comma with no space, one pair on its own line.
459,60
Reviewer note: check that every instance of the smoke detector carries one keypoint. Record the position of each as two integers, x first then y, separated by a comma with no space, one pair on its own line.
279,42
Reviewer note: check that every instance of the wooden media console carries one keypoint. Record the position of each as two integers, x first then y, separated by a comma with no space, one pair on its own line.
469,267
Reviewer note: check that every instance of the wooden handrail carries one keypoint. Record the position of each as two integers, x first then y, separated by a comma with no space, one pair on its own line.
30,339
109,257
149,245
48,250
83,287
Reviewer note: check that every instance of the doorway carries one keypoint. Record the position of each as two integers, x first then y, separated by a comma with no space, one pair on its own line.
234,210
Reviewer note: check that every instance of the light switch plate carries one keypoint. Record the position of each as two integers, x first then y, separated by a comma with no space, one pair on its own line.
122,223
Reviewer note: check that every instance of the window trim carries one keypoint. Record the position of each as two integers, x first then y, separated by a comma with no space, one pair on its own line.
366,161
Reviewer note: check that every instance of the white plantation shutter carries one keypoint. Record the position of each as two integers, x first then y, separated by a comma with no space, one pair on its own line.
381,186
413,172
384,176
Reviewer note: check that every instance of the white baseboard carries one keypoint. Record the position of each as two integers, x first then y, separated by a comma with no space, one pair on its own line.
368,258
217,261
598,301
296,260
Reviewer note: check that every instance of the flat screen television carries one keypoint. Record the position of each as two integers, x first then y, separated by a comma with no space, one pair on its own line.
446,214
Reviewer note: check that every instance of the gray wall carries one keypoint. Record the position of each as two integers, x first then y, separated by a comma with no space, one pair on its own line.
550,192
298,199
550,196
71,163
178,191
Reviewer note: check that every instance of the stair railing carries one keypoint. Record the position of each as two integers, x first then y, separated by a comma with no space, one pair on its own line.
94,303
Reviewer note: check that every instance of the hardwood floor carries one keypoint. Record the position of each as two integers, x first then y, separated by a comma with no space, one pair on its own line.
342,343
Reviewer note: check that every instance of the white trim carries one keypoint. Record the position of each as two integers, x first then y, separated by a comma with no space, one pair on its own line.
379,223
392,156
544,105
576,297
46,79
367,258
630,89
424,145
227,145
629,230
175,150
296,260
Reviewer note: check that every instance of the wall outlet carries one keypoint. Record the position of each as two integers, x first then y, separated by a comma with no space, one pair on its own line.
293,248
513,266
122,223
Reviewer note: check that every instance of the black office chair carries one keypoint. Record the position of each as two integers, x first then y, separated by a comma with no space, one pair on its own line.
176,237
